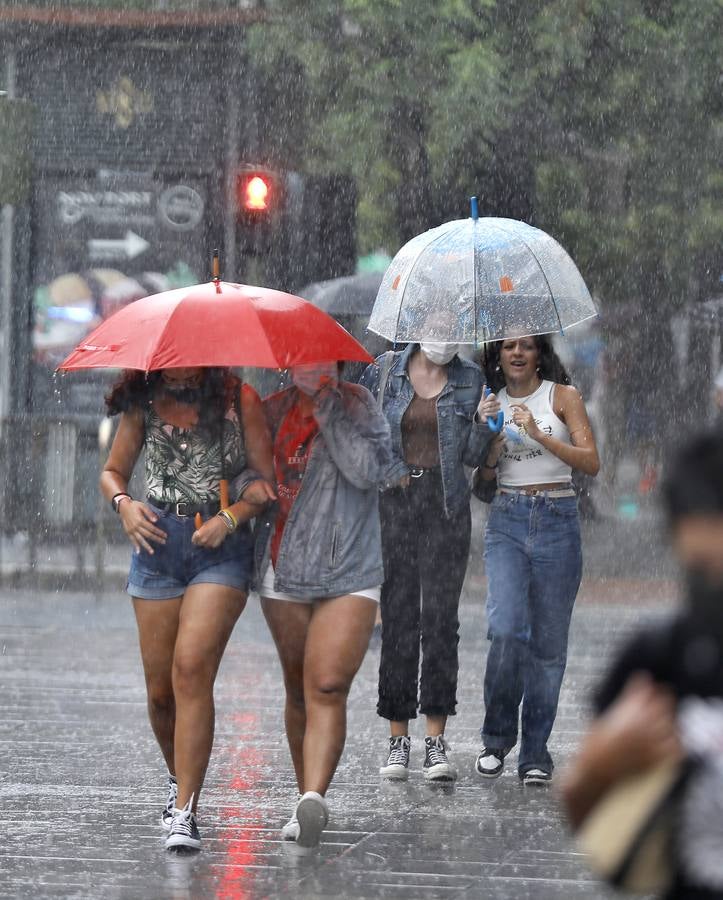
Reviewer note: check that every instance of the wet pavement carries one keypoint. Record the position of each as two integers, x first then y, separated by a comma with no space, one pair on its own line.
82,783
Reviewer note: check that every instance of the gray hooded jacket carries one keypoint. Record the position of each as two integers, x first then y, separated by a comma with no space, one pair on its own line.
331,543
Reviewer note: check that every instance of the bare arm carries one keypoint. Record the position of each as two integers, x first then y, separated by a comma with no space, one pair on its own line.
138,519
582,453
494,451
257,436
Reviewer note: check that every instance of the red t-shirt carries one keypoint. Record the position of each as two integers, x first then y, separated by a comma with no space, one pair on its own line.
292,446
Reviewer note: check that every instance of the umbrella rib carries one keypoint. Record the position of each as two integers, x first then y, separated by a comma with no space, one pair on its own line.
437,237
539,265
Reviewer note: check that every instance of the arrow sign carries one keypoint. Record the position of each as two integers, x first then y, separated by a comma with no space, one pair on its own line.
129,247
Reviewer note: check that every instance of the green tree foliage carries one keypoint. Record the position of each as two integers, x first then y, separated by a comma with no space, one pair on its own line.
598,119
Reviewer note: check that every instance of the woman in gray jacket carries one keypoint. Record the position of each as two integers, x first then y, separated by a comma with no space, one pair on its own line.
319,563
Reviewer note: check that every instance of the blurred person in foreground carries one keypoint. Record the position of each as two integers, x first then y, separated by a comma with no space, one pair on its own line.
319,566
188,581
662,699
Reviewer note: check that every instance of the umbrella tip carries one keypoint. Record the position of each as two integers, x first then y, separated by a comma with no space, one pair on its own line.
473,208
216,270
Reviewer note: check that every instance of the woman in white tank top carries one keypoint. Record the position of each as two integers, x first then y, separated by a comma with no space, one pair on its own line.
533,557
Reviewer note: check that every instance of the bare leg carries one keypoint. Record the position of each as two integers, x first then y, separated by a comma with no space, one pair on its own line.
208,615
336,642
157,629
436,725
399,729
289,623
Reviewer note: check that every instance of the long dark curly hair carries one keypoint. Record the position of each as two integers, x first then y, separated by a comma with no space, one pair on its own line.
551,368
135,390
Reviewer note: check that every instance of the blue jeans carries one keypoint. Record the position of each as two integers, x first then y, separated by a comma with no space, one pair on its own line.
533,560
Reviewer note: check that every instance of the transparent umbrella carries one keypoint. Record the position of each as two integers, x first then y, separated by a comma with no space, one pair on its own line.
479,279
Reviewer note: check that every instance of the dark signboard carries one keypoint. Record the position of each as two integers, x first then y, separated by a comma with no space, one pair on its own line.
101,242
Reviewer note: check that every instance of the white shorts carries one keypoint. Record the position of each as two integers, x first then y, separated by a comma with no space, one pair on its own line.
267,590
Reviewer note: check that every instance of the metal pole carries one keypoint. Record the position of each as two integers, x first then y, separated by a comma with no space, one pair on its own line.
105,430
7,224
233,110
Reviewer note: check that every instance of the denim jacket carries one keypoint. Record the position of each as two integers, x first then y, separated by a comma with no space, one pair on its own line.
331,543
462,440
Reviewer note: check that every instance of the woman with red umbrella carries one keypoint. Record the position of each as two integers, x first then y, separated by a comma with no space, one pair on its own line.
188,578
319,562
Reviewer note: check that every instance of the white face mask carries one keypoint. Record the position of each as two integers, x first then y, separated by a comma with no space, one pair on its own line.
438,352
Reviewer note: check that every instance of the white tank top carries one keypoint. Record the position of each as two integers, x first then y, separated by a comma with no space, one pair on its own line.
525,461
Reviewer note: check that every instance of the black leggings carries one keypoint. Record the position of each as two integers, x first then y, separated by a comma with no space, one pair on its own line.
425,554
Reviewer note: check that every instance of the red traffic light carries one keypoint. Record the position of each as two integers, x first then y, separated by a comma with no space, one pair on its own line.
257,192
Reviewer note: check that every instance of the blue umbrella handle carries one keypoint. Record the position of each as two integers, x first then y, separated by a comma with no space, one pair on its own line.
495,423
473,208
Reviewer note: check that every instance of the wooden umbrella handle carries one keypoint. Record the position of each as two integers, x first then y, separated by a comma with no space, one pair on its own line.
198,521
223,492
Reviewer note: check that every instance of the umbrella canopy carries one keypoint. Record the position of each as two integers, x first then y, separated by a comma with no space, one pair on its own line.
215,324
352,295
480,279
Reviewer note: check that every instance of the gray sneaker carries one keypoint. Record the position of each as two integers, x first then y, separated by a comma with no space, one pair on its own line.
397,765
312,814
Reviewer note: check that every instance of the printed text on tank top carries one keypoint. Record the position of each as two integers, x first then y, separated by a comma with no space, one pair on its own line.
526,463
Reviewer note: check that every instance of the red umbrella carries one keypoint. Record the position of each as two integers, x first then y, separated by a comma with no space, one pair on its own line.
216,324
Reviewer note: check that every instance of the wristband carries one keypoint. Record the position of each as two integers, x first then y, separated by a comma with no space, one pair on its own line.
488,466
116,500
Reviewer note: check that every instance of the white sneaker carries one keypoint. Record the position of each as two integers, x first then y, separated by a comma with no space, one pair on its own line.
397,765
312,815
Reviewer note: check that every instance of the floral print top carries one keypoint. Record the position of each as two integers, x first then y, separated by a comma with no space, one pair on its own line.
183,465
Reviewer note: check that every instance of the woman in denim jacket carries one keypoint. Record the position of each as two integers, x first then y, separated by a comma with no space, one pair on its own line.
430,400
319,565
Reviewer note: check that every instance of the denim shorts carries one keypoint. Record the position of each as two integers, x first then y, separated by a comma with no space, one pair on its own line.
173,566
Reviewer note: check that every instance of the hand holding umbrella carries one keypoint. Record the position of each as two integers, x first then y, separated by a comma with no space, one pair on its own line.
489,408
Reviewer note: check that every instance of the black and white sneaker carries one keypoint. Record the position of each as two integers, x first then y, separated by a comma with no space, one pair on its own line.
184,831
167,814
397,765
537,777
436,765
490,763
